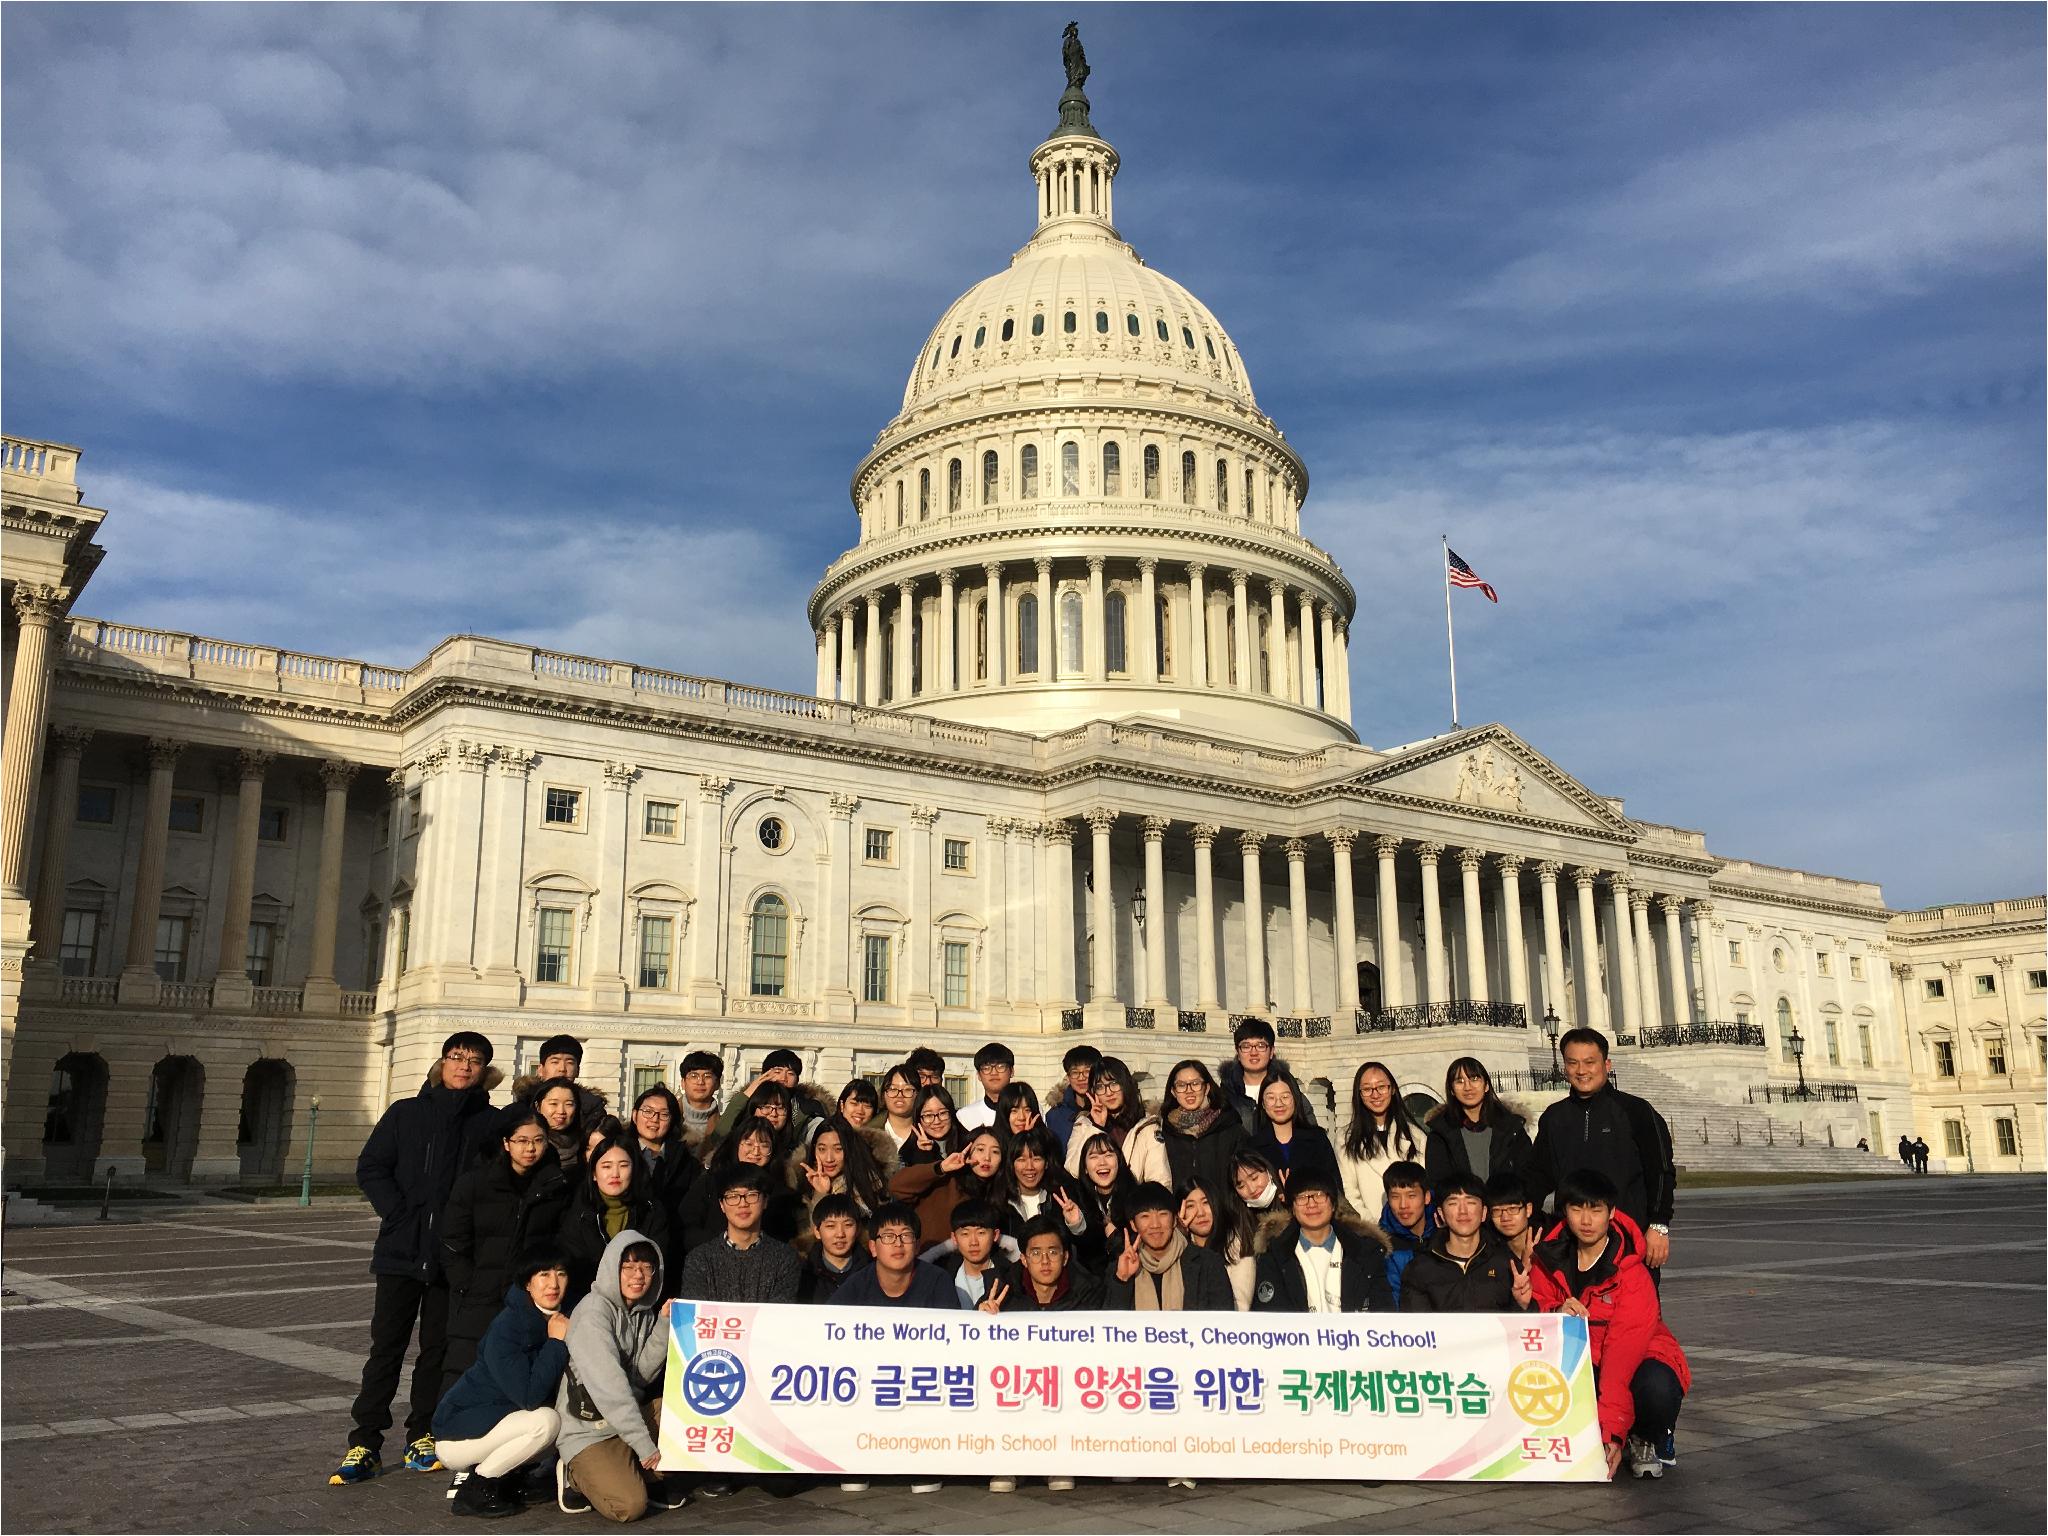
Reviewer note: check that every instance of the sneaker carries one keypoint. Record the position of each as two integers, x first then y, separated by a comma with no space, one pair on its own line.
421,1456
853,1487
567,1499
1641,1457
456,1486
717,1488
668,1490
1180,1482
1002,1485
358,1466
1667,1448
926,1487
1059,1485
490,1498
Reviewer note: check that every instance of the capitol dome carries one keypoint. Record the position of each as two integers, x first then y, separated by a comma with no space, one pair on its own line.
1079,512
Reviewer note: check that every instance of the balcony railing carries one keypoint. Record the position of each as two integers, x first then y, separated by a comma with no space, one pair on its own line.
1446,1015
278,999
1298,1027
1710,1033
89,989
1193,1021
1780,1093
358,1005
1071,1018
1140,1018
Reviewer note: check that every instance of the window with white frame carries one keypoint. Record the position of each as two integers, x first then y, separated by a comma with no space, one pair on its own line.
1834,1042
415,812
1735,951
173,935
958,856
645,1078
262,944
1985,985
553,945
78,952
874,970
2007,1131
1855,967
955,991
660,819
1944,1058
2037,981
1823,962
561,807
768,968
878,845
1952,1137
1863,1046
1994,1055
1934,988
402,916
657,950
1785,1028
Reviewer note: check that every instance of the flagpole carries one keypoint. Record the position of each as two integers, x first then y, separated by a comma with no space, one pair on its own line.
1450,637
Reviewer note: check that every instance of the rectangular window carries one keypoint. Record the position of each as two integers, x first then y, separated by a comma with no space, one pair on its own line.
1742,1015
1834,1037
660,819
645,1078
79,954
384,827
1735,951
1994,1057
878,845
415,812
955,995
562,807
404,939
657,944
1987,986
271,822
2037,981
874,971
96,804
1855,967
2008,1137
262,938
171,936
956,855
1944,1058
1936,988
551,948
1952,1137
1822,962
188,813
1863,1045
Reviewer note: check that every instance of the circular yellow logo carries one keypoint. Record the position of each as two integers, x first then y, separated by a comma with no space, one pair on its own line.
1538,1393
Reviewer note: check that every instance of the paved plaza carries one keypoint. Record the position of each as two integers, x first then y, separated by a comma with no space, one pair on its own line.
1867,1357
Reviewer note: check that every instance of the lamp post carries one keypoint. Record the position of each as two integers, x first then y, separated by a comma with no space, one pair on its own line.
1550,1029
312,1128
1798,1058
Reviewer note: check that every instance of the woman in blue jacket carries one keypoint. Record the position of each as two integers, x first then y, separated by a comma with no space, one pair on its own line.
500,1415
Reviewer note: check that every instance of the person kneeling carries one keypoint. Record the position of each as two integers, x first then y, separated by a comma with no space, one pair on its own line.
1463,1267
610,1399
1317,1264
500,1416
1591,1266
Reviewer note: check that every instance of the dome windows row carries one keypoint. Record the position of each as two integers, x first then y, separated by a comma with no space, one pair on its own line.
1070,330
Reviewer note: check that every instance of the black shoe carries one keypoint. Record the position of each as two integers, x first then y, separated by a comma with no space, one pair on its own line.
535,1482
716,1488
568,1497
668,1490
491,1498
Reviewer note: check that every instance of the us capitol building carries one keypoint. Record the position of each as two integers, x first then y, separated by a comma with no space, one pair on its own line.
1081,764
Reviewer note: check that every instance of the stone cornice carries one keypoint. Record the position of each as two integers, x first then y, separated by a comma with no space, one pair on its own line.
206,695
1617,827
1770,898
1968,936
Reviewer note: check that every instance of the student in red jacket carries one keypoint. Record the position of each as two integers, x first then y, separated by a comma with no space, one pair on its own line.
1591,1266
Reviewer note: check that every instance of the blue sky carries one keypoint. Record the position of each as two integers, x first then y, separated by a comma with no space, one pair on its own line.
1712,336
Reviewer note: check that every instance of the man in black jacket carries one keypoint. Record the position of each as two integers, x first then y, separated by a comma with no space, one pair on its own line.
407,1168
1463,1266
1598,1126
1319,1264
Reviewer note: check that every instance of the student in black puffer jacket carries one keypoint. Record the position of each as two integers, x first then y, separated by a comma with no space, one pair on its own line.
615,1196
507,1204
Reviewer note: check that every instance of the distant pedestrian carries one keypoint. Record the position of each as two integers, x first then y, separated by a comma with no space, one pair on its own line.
1919,1154
1906,1152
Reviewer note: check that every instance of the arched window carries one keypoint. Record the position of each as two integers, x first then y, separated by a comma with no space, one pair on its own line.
889,658
1263,663
1163,658
899,503
1151,472
1069,324
1223,485
1027,472
1162,336
981,335
1027,632
1038,325
1131,325
1205,342
955,350
916,653
1187,479
1115,658
981,640
1249,481
953,485
924,494
1186,335
1102,322
1785,1029
1112,470
1070,633
1230,643
769,974
1070,469
988,477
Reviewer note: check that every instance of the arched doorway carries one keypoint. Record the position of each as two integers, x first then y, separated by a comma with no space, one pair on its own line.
170,1129
77,1112
265,1131
1420,1104
1368,987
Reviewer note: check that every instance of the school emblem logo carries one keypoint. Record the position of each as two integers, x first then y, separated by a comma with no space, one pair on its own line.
1266,1291
713,1382
1538,1393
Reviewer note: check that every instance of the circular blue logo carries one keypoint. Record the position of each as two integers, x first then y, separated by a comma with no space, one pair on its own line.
713,1382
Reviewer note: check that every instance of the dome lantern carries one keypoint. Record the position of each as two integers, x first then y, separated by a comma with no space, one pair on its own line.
1075,167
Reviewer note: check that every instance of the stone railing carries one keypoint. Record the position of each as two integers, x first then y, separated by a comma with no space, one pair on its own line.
1446,1015
278,999
1782,1093
39,460
202,656
184,994
88,989
358,1005
1713,1032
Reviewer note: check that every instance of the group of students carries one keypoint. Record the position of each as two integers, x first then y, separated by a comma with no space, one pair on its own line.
537,1246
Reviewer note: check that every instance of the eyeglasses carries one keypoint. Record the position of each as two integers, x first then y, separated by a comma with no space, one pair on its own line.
1189,1085
939,1115
740,1197
643,1265
526,1141
895,1239
464,1058
1376,1089
653,1112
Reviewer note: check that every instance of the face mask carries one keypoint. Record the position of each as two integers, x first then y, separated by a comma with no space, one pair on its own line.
1265,1200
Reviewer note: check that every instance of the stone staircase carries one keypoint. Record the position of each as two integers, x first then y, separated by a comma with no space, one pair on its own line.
1710,1136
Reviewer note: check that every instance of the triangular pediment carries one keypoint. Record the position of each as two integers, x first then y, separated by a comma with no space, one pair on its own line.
1491,772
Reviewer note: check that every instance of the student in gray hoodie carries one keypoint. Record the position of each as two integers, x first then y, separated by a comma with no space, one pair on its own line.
610,1398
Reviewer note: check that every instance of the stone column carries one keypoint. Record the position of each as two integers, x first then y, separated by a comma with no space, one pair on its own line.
1276,641
60,810
1148,621
1432,925
323,992
1387,912
849,659
1048,622
1630,1004
1514,961
612,827
1646,958
1303,996
1205,917
1469,898
1198,629
1592,999
1059,842
949,620
998,660
825,667
836,920
707,868
1102,974
906,599
394,860
1710,980
1344,671
1095,643
1547,871
1254,920
1241,603
1345,919
40,609
1675,958
1327,629
871,654
138,974
501,867
922,1004
1156,919
1305,622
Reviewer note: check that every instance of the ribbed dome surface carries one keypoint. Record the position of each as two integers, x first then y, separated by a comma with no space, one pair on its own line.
986,337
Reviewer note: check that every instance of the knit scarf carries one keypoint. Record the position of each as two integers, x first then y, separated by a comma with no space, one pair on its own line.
1164,1294
616,1215
1193,1122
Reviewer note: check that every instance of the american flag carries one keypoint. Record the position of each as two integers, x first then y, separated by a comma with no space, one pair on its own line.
1462,575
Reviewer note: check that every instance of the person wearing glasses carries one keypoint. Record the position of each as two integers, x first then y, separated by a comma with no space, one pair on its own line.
935,1130
1201,1131
407,1170
897,1278
655,1132
899,1101
743,1263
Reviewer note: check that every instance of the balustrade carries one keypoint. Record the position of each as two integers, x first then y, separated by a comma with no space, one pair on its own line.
1444,1015
1714,1032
